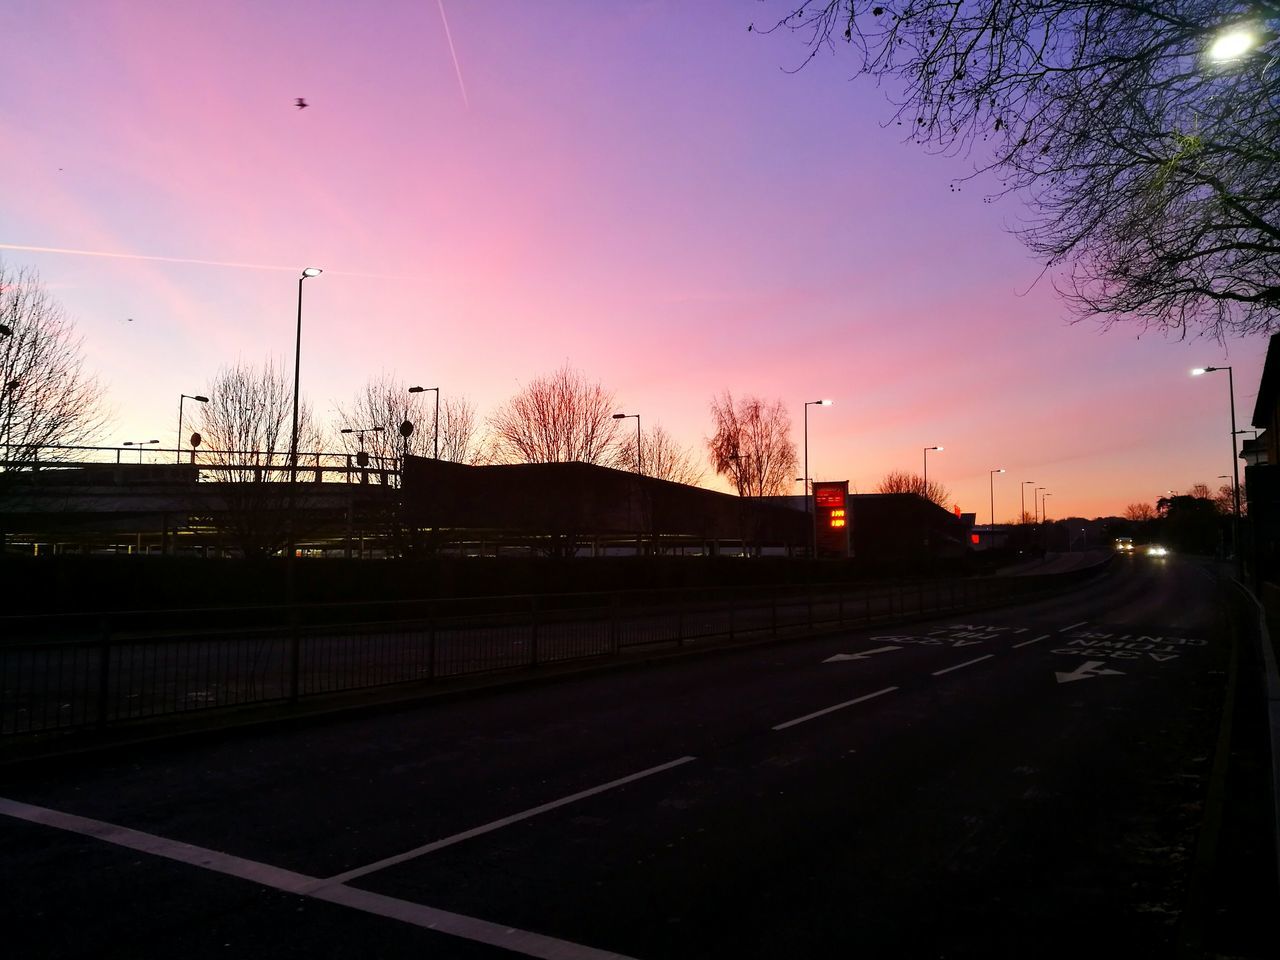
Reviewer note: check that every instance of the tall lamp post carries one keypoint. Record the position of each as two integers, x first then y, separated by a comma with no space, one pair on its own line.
992,479
639,459
926,470
177,454
293,437
1022,517
1039,491
1235,465
808,492
139,444
435,429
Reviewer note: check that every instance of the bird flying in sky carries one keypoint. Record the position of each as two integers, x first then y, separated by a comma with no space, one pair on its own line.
301,103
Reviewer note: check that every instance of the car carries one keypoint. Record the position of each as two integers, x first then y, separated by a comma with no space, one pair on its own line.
1155,550
1124,544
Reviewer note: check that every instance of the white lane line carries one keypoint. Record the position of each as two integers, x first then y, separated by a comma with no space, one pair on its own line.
838,706
523,942
1027,643
959,666
499,824
1073,626
206,859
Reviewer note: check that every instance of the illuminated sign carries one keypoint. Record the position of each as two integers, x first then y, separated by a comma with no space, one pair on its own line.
837,518
828,496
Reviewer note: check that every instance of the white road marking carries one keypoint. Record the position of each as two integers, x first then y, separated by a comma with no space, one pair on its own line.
838,706
959,666
499,824
332,890
1027,643
859,656
1073,626
1092,668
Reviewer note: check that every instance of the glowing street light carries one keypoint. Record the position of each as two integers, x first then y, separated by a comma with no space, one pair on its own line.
992,479
1232,44
1235,463
1022,517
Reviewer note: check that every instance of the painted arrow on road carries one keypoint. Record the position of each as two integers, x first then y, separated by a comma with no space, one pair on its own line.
1087,670
859,656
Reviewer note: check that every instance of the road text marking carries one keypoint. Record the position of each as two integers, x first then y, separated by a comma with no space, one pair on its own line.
1087,670
838,706
959,666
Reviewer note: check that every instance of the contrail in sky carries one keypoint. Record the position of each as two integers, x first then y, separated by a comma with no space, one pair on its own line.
203,263
457,68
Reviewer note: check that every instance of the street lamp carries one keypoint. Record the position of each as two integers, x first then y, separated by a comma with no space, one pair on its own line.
293,441
926,470
139,444
362,458
992,479
1046,506
1022,517
177,454
628,416
1038,504
1232,44
435,429
1235,464
808,497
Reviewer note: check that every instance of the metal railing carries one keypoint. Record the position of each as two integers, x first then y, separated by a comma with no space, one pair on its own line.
75,672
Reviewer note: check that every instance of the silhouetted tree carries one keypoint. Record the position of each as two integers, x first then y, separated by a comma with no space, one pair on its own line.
901,481
1139,512
555,419
247,427
46,398
387,403
1201,491
752,445
662,457
1152,171
1224,499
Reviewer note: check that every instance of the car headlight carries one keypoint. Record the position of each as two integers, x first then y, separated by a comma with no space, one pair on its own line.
1156,551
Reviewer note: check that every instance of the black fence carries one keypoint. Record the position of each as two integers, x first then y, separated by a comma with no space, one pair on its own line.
73,672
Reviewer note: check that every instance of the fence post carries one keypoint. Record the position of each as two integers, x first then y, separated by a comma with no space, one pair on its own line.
431,647
533,641
680,621
732,626
104,669
615,626
295,655
773,611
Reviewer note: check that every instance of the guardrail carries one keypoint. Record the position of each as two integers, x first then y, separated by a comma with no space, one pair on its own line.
77,671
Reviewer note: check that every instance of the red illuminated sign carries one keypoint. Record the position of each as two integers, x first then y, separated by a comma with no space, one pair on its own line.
828,496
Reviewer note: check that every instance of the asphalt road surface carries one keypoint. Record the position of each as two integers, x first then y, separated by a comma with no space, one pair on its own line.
1029,781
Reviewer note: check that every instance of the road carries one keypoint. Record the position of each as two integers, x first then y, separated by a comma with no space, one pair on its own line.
1023,782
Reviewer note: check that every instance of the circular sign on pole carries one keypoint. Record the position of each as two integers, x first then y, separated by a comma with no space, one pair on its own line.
195,439
406,429
362,458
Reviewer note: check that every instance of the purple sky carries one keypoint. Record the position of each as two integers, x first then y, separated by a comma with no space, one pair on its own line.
637,188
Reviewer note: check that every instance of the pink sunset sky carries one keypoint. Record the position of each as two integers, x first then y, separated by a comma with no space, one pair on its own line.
639,189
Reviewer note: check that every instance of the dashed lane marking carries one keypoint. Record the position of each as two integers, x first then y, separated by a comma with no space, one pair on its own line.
833,709
1027,643
961,666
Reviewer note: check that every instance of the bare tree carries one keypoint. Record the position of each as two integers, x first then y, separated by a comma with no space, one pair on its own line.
374,416
1200,491
901,481
663,458
1139,511
752,445
1226,501
1152,169
557,418
46,398
459,441
247,426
